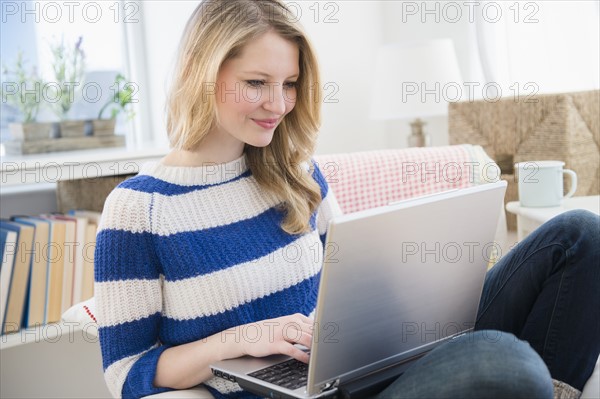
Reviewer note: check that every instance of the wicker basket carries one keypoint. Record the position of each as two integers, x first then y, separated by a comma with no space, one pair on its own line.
563,126
87,194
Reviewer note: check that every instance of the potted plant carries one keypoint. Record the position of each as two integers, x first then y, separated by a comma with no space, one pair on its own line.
119,102
21,89
68,67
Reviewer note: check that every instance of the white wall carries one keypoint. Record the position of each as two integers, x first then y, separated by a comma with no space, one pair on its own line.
163,24
346,35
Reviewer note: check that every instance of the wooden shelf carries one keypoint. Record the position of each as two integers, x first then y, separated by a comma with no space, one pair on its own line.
25,170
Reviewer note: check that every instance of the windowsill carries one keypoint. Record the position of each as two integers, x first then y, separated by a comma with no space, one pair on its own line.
19,172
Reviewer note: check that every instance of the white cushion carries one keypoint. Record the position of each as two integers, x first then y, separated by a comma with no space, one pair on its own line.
198,392
84,314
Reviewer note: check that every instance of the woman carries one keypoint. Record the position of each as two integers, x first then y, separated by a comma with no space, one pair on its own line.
190,252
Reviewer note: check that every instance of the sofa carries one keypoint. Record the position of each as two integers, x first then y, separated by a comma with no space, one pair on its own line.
363,180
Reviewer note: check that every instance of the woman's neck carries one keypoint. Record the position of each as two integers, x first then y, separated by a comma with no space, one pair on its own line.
215,148
200,157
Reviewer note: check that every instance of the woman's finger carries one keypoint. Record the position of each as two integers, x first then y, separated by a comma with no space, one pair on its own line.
292,351
305,340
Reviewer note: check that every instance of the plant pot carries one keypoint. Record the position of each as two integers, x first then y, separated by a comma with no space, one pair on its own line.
103,127
72,128
30,131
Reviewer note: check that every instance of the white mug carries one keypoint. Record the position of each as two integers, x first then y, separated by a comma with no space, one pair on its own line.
541,183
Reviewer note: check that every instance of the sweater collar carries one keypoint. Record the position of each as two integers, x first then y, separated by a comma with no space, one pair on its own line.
207,174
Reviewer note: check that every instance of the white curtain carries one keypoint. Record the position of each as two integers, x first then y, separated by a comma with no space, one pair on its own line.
540,47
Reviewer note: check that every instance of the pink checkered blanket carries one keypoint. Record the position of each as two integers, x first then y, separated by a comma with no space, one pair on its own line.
363,180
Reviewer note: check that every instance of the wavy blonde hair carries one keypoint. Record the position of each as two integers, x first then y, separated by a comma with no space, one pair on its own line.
216,32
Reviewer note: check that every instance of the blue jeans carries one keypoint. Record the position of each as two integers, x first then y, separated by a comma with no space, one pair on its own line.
538,318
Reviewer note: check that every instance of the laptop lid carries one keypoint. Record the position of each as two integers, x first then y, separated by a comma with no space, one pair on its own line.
400,278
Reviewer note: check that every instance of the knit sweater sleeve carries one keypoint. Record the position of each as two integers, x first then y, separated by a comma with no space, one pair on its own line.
329,207
128,294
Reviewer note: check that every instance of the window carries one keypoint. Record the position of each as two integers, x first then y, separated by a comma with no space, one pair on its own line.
33,27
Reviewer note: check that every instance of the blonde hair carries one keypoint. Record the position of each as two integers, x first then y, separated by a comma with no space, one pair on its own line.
216,32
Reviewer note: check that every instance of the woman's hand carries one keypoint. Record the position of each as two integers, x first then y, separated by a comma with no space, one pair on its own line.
275,336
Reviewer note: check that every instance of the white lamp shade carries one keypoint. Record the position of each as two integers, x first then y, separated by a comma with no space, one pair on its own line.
415,79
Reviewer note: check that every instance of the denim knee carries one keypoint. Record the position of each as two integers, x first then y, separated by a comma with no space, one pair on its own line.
578,222
579,230
481,364
504,366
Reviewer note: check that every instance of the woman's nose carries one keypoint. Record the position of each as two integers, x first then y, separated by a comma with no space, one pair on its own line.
275,101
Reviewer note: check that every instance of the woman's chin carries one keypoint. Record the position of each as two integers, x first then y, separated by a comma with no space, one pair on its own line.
260,142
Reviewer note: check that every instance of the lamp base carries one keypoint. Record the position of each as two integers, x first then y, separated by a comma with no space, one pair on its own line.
418,138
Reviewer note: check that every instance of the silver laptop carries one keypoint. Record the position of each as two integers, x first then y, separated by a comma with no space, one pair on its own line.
397,281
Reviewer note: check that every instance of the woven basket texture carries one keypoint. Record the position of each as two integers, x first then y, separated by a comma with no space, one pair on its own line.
564,126
87,194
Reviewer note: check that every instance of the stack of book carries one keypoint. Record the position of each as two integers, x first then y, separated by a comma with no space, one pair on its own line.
47,267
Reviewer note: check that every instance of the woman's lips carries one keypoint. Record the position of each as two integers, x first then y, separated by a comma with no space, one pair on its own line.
266,123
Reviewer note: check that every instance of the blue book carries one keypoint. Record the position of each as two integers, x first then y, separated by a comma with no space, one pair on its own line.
34,312
8,247
3,237
19,280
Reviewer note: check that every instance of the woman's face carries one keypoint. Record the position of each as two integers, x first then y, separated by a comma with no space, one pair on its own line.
256,90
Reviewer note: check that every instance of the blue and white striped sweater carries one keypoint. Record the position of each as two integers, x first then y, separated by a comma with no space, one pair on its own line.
184,253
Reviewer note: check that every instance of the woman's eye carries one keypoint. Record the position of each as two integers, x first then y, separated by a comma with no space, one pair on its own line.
255,83
290,85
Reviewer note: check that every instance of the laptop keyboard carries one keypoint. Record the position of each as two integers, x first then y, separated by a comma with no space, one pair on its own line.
291,374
